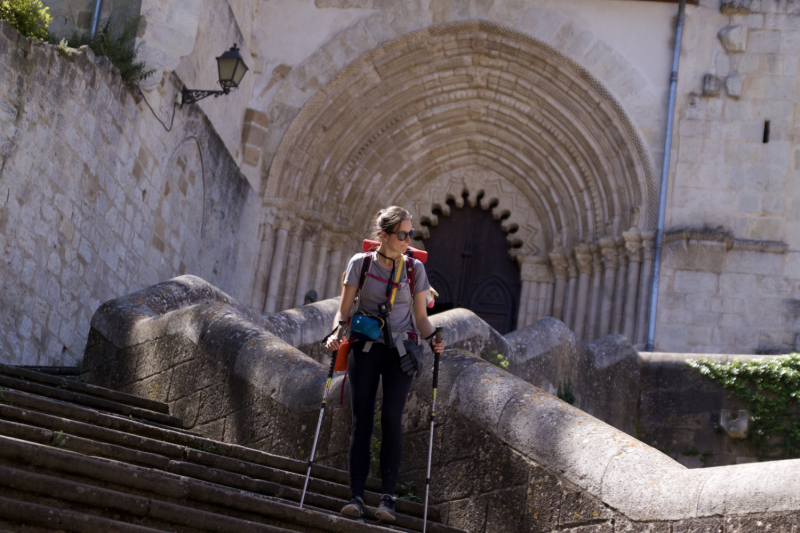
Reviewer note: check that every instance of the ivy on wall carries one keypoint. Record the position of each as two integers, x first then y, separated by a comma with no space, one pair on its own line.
771,389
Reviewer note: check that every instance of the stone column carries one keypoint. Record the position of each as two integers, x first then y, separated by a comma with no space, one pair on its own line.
559,262
276,268
633,246
619,295
306,266
597,285
523,303
529,299
533,303
292,267
645,282
583,258
572,292
608,248
263,263
544,290
333,287
321,274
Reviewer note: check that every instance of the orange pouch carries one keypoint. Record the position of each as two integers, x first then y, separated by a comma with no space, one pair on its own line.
341,356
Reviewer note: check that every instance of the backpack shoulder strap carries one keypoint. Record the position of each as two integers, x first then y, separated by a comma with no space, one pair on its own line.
365,264
410,275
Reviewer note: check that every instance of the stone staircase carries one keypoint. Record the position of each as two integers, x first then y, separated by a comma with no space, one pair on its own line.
77,457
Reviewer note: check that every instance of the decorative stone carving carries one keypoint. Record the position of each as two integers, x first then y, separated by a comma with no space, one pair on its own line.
608,250
496,193
633,245
583,258
736,428
735,7
733,38
535,268
711,85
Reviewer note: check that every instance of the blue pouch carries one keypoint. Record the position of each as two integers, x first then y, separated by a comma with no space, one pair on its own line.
370,326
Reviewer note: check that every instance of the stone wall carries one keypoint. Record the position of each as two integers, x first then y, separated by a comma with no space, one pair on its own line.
97,199
733,284
508,456
726,295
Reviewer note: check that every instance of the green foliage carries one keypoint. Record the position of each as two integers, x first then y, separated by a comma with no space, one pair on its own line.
705,456
63,48
60,439
565,391
407,491
771,388
115,41
29,17
692,452
638,430
496,359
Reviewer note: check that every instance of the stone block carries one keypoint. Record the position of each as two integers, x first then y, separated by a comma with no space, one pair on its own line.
711,85
687,281
735,7
764,42
733,85
733,38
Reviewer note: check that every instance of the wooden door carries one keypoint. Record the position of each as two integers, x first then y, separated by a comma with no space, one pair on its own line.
469,266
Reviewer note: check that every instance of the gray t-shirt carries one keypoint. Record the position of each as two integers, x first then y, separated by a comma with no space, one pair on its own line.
374,290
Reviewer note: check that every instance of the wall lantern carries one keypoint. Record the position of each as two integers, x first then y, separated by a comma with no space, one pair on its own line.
231,71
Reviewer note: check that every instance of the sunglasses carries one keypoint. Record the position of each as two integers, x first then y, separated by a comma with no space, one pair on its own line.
402,235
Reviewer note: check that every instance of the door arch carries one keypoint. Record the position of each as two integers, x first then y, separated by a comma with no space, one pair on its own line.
469,260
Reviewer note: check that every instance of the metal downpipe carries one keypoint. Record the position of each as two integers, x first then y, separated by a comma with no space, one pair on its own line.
95,18
662,205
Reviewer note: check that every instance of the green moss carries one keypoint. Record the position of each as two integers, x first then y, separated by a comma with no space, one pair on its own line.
565,391
29,17
771,389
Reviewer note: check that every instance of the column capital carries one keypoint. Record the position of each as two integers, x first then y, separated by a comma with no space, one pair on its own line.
608,249
560,265
535,268
633,245
583,258
597,258
649,244
572,267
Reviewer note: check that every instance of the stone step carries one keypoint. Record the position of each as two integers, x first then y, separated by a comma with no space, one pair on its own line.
65,432
65,383
197,464
150,513
18,515
72,371
88,401
87,414
246,456
194,495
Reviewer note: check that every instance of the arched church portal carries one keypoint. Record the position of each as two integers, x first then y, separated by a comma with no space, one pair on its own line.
478,108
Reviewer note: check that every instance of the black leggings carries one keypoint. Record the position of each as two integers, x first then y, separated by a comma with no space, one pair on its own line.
364,370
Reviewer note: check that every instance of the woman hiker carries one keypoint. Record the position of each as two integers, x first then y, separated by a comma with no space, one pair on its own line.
385,281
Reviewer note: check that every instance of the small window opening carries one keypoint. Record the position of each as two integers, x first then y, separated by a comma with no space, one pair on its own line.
766,131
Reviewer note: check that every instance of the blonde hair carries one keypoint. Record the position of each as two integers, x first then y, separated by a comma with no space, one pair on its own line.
388,220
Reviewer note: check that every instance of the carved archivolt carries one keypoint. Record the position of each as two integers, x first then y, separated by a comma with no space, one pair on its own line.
507,203
469,95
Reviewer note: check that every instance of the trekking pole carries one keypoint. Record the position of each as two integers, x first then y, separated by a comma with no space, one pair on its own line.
433,418
321,411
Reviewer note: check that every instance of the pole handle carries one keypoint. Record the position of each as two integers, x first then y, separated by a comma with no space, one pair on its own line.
436,359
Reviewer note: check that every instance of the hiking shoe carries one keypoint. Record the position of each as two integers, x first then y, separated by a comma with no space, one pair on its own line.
354,509
385,512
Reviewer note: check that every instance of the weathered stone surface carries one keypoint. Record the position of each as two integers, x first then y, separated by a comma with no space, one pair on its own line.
733,38
711,85
733,85
735,7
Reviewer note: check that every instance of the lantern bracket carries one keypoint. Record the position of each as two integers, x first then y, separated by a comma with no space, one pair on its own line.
190,96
